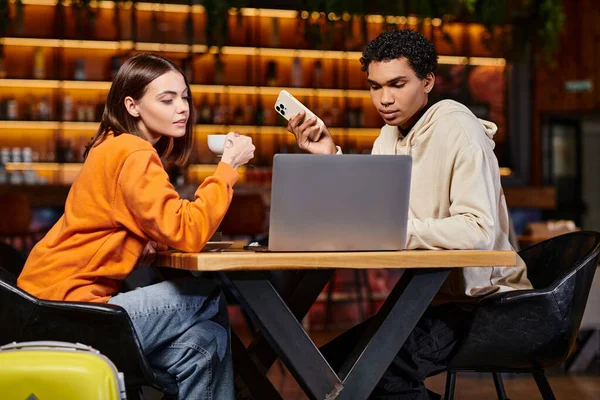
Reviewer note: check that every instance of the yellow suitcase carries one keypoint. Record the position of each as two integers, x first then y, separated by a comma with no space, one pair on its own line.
49,370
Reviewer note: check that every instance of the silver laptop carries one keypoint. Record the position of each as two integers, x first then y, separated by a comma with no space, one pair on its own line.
339,202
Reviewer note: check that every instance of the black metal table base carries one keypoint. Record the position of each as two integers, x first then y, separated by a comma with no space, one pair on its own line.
278,319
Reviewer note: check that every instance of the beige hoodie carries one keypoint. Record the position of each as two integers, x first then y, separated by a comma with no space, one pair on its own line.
456,200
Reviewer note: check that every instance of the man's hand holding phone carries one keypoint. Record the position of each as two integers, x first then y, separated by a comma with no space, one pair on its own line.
309,135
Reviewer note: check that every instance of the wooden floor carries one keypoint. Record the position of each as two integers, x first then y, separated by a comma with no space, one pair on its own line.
470,387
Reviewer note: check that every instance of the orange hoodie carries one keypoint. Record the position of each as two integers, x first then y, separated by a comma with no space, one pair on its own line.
121,199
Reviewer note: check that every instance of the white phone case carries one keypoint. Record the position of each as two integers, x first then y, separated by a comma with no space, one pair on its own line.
288,106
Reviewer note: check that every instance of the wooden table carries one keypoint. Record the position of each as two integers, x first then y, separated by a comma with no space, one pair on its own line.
278,289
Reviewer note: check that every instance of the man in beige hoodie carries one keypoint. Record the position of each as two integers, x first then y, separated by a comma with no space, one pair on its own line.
456,200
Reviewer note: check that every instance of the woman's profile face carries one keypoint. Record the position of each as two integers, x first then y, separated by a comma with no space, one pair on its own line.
164,108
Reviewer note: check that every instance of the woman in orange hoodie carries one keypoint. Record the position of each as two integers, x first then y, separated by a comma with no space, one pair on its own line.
122,204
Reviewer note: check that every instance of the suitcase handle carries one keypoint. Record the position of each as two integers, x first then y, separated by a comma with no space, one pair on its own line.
47,344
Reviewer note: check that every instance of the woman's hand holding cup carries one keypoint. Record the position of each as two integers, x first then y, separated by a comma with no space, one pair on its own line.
238,149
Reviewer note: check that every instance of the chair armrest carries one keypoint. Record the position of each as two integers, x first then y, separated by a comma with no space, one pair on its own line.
513,296
507,328
105,327
84,307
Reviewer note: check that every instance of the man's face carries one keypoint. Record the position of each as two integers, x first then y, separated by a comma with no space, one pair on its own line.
396,91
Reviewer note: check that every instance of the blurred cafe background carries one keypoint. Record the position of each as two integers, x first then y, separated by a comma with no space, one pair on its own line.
530,66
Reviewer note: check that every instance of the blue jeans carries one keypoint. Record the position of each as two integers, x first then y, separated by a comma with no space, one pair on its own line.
183,327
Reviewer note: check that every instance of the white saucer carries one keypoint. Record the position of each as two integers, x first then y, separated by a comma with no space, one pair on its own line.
216,246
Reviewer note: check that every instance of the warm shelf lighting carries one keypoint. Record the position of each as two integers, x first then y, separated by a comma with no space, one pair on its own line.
68,44
10,41
323,54
86,85
163,47
196,169
199,129
484,61
80,126
29,83
504,171
269,13
376,19
142,6
53,84
43,166
93,44
30,125
227,50
355,131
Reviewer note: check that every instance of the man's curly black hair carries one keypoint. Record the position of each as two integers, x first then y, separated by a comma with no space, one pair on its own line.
389,45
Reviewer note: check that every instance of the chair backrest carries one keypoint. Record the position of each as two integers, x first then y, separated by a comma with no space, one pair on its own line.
535,328
105,327
552,261
565,265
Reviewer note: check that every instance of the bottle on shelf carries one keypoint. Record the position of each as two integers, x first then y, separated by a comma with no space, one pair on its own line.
226,111
336,113
274,32
115,64
99,108
297,76
188,69
350,116
217,111
205,113
271,76
67,108
90,112
238,115
317,74
219,71
39,63
360,116
325,112
80,111
80,69
189,29
2,66
44,109
3,110
249,111
12,109
4,159
154,32
28,111
260,112
270,116
64,150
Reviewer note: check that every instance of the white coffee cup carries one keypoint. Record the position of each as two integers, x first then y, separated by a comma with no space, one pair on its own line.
216,143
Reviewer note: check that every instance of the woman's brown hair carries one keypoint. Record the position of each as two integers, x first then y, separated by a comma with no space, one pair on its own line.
133,78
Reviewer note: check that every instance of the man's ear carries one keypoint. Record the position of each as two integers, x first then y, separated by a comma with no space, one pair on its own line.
131,106
429,82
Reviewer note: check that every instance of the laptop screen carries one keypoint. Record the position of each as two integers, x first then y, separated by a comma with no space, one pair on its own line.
339,202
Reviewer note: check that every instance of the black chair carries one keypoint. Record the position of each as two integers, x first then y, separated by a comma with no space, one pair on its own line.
105,327
530,330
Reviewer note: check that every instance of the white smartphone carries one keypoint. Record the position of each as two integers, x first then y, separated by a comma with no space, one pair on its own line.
288,106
